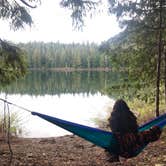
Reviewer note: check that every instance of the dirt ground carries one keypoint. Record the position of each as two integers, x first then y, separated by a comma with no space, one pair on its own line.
73,151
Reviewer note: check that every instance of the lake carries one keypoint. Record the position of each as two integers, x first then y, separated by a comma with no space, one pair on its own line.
73,96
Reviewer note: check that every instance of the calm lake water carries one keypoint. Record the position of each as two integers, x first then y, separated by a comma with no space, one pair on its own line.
73,96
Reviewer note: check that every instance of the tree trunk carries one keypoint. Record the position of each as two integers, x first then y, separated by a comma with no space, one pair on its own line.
159,61
165,75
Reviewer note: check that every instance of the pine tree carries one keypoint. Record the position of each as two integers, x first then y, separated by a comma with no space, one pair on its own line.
143,38
12,63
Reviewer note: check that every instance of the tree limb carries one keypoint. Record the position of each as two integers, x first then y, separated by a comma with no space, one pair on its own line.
25,3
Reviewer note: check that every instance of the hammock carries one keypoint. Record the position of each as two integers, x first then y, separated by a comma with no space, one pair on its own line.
99,137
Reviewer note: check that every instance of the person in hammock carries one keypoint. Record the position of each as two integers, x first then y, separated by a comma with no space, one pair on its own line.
123,124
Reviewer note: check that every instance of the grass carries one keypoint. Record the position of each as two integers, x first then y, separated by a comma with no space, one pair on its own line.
15,124
143,111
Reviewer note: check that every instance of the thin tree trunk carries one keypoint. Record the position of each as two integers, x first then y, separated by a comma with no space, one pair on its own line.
159,61
165,75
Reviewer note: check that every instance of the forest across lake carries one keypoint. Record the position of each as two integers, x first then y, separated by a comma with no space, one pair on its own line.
42,55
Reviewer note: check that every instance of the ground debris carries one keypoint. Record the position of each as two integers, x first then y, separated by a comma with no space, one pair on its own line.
74,151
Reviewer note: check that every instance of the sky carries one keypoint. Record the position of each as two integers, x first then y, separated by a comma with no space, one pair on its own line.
54,24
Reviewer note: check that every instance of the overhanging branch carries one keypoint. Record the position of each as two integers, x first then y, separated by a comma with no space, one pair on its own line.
25,3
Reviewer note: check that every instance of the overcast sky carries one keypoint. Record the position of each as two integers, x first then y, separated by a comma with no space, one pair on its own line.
53,23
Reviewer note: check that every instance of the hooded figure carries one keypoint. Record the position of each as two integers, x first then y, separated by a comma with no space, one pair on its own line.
123,124
122,120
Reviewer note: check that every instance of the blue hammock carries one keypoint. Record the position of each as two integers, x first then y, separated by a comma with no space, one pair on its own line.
99,137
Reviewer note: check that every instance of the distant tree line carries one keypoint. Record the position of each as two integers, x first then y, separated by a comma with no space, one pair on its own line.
42,55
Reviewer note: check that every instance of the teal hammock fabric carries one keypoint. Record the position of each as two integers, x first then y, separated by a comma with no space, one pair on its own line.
96,136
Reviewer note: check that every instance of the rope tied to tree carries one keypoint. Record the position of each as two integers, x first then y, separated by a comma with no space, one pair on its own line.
7,127
7,124
4,100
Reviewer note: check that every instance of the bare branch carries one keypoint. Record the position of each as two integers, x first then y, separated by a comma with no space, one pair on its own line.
25,3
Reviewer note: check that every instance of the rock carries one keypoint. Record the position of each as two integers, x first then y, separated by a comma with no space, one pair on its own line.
29,155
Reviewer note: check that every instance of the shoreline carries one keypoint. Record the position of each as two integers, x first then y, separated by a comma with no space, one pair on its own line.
70,69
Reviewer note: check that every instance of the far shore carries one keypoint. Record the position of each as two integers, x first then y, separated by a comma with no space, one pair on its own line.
70,69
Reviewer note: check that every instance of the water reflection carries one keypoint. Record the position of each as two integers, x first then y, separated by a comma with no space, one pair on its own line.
42,83
74,96
78,108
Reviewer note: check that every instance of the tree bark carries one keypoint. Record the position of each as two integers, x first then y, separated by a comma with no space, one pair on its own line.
159,61
165,75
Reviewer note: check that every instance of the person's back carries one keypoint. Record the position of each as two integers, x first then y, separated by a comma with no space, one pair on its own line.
122,120
123,124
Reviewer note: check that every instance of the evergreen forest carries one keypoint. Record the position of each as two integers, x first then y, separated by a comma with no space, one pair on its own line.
42,55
